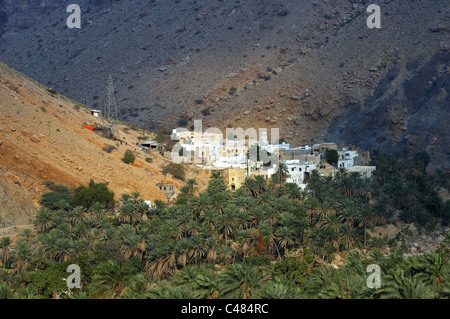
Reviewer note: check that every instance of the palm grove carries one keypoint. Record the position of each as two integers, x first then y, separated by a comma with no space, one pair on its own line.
268,239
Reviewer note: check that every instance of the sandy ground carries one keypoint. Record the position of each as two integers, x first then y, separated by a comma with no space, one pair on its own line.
42,138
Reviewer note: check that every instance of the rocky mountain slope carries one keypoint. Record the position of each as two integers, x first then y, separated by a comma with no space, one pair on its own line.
311,68
42,138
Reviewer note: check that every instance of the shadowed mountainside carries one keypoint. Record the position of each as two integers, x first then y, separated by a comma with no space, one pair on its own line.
311,68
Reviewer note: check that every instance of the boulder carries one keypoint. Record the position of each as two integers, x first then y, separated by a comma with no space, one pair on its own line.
34,138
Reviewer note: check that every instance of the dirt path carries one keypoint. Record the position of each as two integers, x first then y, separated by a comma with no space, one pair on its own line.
14,231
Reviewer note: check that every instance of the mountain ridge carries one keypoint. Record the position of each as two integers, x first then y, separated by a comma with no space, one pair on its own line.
296,66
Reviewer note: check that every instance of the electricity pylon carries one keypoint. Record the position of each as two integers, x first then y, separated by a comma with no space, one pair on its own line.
109,112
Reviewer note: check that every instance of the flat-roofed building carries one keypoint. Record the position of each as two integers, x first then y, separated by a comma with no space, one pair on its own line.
324,147
168,189
298,173
364,171
234,177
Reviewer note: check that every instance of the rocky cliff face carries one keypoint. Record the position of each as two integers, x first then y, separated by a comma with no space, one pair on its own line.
15,206
408,117
313,69
16,15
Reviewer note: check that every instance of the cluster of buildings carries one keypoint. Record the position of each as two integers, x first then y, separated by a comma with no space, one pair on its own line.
239,158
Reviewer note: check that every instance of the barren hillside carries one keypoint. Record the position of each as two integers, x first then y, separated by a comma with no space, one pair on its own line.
42,138
311,68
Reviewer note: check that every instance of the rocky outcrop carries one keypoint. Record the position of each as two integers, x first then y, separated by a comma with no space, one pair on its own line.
16,207
407,117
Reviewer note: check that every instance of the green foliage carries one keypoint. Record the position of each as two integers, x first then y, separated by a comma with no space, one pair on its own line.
182,122
93,193
5,292
47,280
109,280
56,187
294,267
128,157
232,91
406,187
257,261
60,197
176,170
206,112
332,157
160,138
245,243
239,281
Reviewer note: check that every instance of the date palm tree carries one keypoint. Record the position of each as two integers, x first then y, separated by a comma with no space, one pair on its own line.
165,291
192,186
239,281
265,199
435,269
282,173
350,215
225,225
312,205
5,292
186,275
5,245
128,213
197,250
205,285
212,247
77,215
48,243
280,288
109,280
208,218
348,234
285,237
183,247
292,191
260,184
346,285
250,187
398,285
199,204
43,220
26,235
366,220
63,249
97,211
131,246
314,184
216,186
23,256
268,232
218,202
